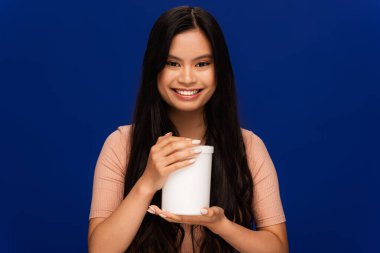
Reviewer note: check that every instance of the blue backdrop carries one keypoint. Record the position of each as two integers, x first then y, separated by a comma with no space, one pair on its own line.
308,83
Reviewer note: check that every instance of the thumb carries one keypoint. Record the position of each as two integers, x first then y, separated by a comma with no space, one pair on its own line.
211,211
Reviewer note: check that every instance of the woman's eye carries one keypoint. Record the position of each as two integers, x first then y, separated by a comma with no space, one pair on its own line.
175,64
203,64
171,63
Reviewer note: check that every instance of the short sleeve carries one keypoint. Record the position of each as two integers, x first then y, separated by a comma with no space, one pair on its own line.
109,175
267,205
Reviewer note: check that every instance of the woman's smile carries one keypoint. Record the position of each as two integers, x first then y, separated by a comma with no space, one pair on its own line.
187,94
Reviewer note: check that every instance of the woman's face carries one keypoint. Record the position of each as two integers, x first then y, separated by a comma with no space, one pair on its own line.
189,68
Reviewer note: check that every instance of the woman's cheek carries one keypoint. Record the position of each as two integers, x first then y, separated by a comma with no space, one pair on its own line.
168,77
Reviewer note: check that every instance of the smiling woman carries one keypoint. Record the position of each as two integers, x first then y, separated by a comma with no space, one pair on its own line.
187,98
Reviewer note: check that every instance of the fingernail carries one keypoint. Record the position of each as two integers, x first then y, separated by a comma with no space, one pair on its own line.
168,133
204,211
162,215
195,141
151,210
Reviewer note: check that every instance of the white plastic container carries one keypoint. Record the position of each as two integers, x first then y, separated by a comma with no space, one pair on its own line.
187,190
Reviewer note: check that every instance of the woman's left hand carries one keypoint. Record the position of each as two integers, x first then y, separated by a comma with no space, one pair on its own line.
212,217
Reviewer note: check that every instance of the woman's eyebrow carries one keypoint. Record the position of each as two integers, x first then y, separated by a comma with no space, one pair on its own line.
196,58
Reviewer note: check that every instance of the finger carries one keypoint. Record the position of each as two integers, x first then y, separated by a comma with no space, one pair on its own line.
180,156
207,212
179,165
165,140
165,215
158,211
174,145
151,210
155,208
185,219
168,219
211,211
164,137
171,217
168,140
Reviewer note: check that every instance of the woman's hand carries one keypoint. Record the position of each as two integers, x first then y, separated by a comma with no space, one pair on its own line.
170,153
212,217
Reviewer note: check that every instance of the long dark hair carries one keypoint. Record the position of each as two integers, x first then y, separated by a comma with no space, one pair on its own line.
231,183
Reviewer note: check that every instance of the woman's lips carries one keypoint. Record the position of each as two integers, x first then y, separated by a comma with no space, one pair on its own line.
187,97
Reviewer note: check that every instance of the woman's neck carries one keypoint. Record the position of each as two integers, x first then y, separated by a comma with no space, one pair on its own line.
189,124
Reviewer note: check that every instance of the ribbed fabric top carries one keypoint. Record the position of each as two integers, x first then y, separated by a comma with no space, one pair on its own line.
110,170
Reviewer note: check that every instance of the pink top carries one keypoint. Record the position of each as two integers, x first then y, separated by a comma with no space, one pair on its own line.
110,169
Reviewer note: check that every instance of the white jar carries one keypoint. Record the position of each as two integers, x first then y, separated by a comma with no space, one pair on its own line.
187,190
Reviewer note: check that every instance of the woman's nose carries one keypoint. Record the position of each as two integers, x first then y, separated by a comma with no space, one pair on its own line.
186,75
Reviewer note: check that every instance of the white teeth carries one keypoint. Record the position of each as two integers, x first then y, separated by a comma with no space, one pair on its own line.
187,93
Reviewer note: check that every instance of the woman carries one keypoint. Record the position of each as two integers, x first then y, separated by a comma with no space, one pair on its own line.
188,92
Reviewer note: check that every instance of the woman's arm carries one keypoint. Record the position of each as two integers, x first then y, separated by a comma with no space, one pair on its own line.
271,239
267,239
116,233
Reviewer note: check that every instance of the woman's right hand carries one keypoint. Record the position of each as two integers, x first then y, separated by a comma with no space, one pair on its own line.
170,153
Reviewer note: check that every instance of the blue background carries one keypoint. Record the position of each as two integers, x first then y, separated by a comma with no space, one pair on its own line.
308,82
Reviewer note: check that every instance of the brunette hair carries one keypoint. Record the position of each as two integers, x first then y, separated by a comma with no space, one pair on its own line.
231,183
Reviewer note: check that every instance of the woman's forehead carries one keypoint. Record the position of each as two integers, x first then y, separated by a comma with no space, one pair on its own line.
190,45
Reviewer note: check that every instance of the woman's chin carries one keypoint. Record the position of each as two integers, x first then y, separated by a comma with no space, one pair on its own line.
187,108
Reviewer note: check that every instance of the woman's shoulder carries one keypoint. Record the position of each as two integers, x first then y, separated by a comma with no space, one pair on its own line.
119,137
249,136
256,149
124,130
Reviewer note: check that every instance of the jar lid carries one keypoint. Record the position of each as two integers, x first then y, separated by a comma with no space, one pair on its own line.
207,149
